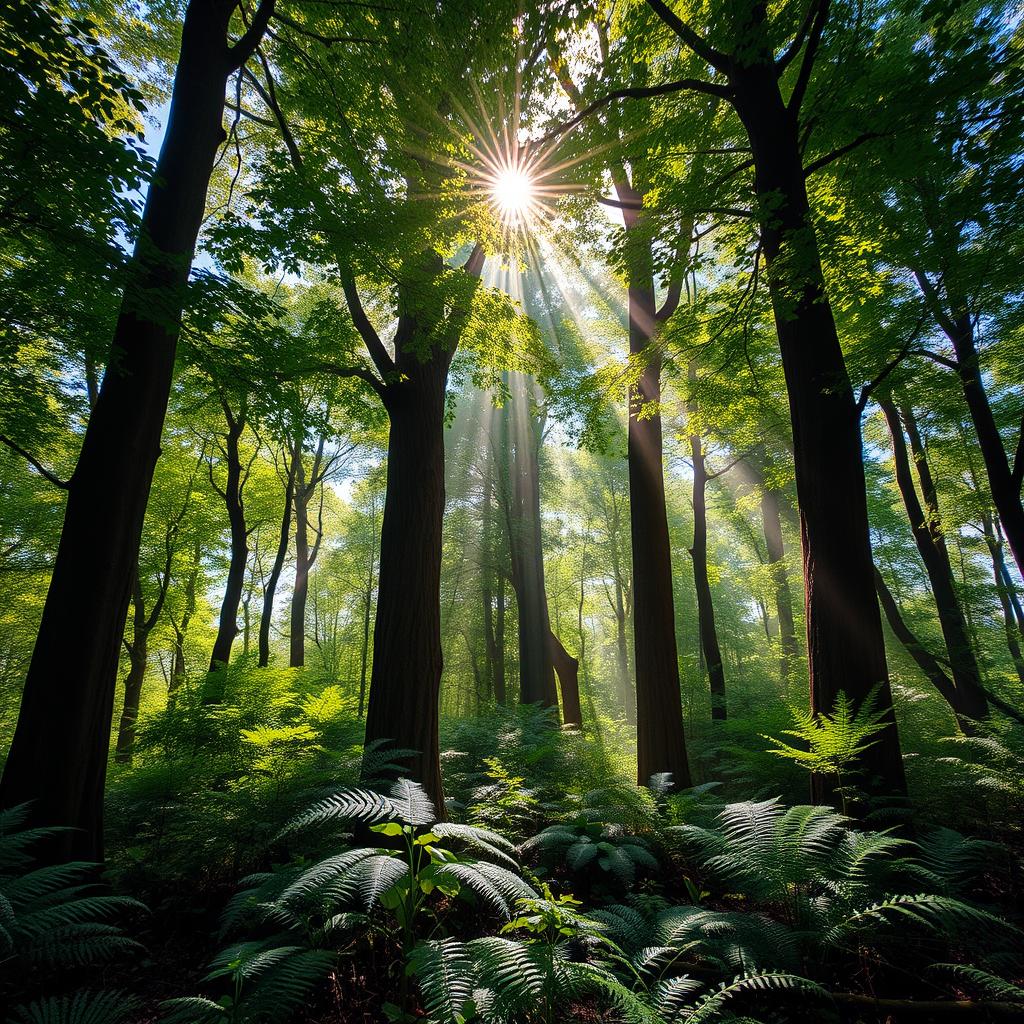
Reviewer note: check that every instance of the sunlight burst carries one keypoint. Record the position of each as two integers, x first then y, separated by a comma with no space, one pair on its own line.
513,192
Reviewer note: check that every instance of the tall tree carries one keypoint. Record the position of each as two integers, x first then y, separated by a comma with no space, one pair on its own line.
58,756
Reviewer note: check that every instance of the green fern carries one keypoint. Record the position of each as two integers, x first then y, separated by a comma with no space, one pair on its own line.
80,1008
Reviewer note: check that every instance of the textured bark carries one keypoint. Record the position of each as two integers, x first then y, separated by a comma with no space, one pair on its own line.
771,523
661,744
270,589
406,677
968,698
845,644
58,755
699,554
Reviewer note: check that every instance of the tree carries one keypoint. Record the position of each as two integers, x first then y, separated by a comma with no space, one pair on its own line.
89,589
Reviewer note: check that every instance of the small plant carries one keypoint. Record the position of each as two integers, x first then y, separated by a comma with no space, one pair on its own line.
831,745
592,849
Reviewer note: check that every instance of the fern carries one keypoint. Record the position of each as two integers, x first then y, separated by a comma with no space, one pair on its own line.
80,1008
445,973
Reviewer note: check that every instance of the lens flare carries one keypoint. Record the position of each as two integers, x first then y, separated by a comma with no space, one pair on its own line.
513,193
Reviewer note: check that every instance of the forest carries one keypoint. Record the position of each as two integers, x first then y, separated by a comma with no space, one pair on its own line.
511,511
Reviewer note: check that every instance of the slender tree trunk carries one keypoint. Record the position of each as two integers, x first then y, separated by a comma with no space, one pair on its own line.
845,644
58,754
500,697
270,590
1010,623
297,640
1004,480
364,654
406,678
699,554
181,630
969,696
771,522
138,655
227,627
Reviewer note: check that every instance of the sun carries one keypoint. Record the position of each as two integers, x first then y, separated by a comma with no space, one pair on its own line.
513,193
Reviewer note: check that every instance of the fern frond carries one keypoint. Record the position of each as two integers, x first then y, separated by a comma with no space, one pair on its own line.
363,805
990,986
411,803
445,973
82,1008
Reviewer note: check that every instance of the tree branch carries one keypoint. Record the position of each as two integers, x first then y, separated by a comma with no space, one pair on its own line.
247,43
704,50
803,78
64,485
824,161
378,353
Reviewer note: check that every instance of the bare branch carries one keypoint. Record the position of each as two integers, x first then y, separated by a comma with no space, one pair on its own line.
246,45
64,485
703,49
803,78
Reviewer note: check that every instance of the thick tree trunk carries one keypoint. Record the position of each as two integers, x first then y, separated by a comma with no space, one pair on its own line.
58,755
968,694
845,644
227,626
270,590
568,669
699,554
661,744
406,678
771,523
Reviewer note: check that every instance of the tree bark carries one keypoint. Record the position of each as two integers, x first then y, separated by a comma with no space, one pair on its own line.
300,591
270,590
845,644
536,671
181,629
406,677
661,744
969,698
364,652
58,755
699,554
227,626
771,523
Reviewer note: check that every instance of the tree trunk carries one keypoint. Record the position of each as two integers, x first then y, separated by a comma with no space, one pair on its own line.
699,554
567,668
300,592
771,522
661,745
1010,623
227,627
270,590
406,677
181,630
1004,481
845,644
536,671
58,755
138,654
969,698
498,680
